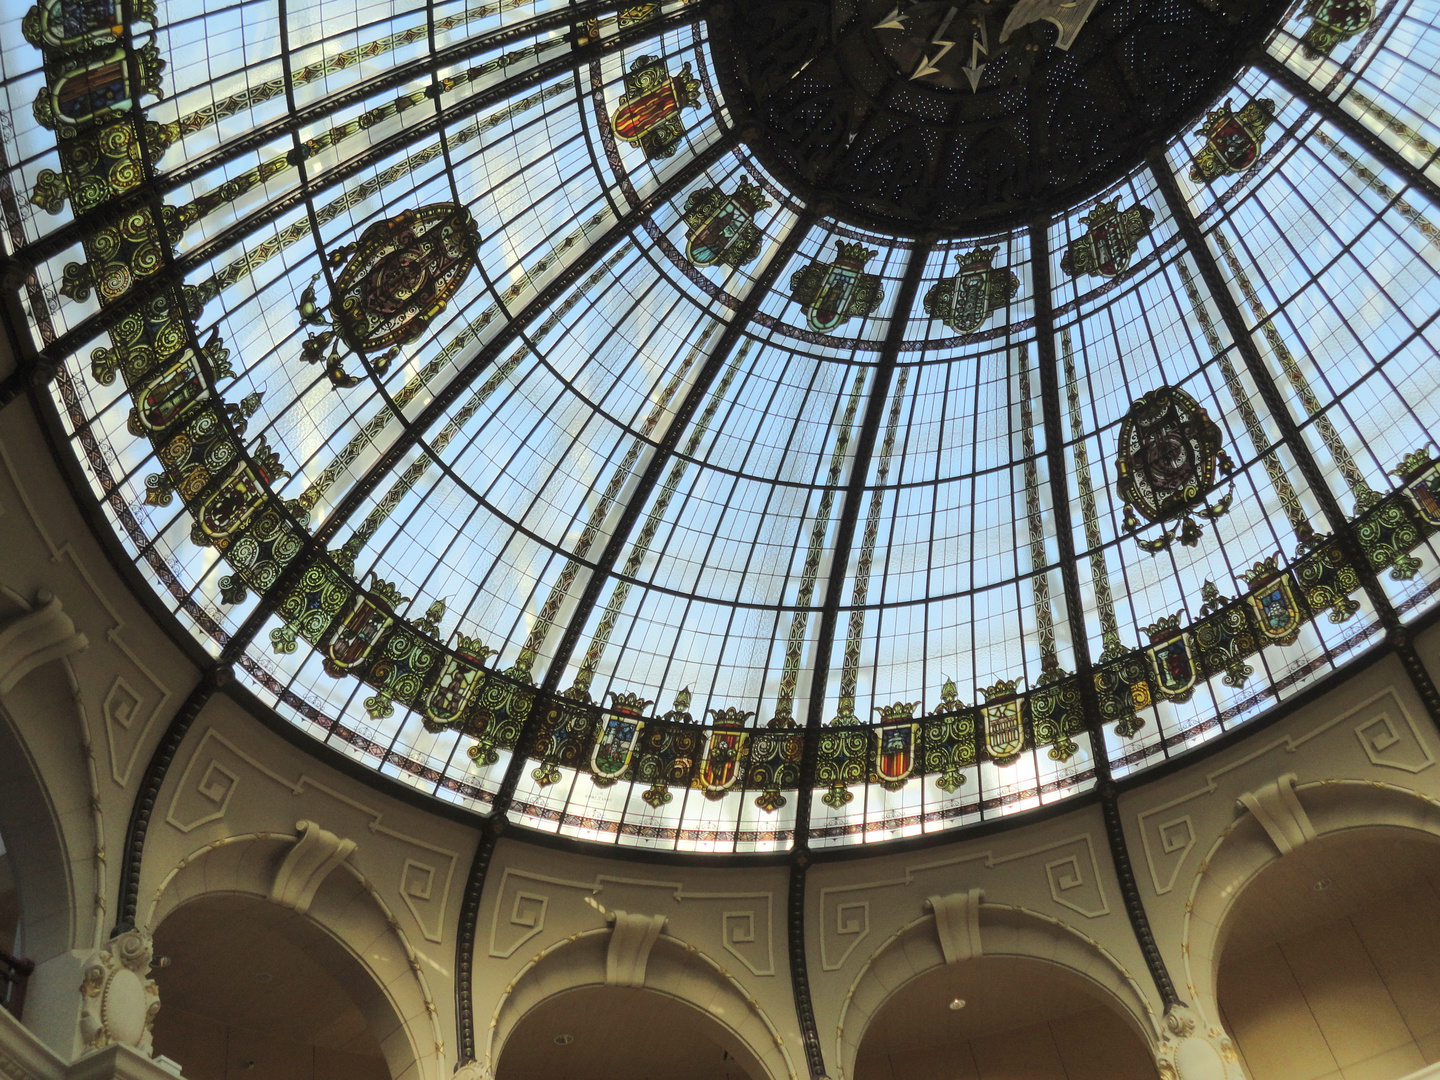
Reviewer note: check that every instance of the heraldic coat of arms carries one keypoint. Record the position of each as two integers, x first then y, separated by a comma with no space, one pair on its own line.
1168,456
1334,21
400,274
1110,242
965,301
649,112
833,293
1232,140
720,229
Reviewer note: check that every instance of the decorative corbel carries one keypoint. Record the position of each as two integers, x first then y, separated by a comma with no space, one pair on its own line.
957,922
1186,1052
307,864
630,943
1277,808
119,1000
38,636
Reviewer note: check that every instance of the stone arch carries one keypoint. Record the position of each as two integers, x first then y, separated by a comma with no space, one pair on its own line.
346,908
1001,930
35,843
675,969
39,795
1248,846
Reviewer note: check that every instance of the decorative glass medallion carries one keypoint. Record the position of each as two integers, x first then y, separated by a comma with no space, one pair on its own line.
1168,456
399,275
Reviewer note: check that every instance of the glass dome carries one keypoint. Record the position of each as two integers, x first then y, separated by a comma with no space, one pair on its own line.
487,388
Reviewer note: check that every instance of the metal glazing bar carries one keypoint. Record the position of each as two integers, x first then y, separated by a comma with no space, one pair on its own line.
174,274
1290,432
583,264
115,211
1331,110
1070,574
659,461
879,397
799,969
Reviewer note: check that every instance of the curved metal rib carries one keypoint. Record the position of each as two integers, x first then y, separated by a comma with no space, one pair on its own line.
604,566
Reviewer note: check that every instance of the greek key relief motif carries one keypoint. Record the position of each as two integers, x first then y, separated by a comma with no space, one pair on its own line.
1391,740
1067,870
218,770
743,923
1388,738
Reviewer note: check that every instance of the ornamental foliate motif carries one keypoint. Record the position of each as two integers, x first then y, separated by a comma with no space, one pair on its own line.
1232,140
1169,451
649,112
1106,248
720,229
977,290
833,293
396,278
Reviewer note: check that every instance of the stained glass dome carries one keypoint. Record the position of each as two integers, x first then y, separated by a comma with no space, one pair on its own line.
535,404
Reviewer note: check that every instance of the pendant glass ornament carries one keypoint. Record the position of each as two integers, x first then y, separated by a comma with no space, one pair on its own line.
1169,454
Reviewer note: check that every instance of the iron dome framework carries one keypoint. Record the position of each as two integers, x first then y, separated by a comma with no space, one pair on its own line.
463,379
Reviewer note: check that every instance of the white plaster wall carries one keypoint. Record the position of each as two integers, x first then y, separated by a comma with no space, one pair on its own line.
1049,892
731,921
77,733
1365,753
226,817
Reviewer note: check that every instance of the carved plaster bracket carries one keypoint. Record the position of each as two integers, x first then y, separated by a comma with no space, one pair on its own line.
1188,1053
630,944
38,636
957,922
307,865
1277,808
119,1000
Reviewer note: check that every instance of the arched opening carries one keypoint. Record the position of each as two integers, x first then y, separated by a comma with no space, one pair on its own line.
621,1033
39,919
1331,959
252,991
1017,1019
12,968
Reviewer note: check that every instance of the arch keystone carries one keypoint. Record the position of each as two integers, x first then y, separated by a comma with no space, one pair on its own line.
307,865
957,922
1277,808
631,940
